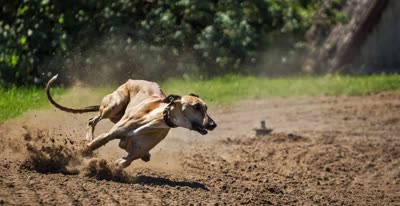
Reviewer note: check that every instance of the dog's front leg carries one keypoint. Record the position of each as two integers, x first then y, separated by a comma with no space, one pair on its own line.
140,141
126,161
136,149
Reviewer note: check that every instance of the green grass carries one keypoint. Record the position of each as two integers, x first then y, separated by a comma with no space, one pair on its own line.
222,90
231,88
14,101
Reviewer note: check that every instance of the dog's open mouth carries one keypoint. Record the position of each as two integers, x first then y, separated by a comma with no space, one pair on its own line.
200,129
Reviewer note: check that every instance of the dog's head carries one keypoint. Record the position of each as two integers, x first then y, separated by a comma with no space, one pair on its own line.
191,112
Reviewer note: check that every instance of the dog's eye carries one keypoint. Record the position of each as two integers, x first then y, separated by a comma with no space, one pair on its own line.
197,107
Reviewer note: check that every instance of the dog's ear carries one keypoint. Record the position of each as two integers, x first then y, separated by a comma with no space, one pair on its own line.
194,95
171,98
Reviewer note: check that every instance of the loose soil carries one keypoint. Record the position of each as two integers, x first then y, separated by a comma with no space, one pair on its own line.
322,151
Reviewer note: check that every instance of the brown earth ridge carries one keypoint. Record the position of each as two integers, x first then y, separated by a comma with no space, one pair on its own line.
323,151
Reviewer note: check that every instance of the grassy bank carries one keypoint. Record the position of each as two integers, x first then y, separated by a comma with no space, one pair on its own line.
231,88
14,101
222,90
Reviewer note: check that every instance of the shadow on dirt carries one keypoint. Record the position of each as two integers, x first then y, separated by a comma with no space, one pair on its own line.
159,181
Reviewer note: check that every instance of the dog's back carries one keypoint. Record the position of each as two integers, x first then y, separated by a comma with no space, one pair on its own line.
141,90
133,95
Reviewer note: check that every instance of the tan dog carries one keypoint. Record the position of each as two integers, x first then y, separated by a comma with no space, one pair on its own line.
143,117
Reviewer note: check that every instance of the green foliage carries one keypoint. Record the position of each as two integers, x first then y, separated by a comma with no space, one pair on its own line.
42,36
231,88
331,13
16,100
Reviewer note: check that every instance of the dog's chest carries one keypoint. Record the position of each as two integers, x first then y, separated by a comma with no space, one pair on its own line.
148,137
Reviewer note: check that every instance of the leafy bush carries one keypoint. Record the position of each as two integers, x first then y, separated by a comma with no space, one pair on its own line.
148,37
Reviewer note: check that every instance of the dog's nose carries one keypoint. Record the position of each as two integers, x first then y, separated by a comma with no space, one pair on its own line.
211,124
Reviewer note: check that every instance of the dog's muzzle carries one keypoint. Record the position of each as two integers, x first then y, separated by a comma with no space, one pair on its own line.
203,129
211,124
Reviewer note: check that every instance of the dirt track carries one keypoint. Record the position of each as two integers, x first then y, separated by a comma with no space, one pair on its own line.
324,150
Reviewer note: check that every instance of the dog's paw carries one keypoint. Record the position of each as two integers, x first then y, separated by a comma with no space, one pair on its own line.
86,152
146,158
123,163
89,137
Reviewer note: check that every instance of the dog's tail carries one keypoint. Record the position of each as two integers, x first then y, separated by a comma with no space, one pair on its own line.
66,109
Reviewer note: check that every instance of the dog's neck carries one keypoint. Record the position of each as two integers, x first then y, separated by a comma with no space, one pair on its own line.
166,116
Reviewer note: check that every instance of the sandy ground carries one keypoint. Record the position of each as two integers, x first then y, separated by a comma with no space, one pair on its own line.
323,151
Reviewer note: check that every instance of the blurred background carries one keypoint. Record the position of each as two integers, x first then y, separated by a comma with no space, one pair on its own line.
109,41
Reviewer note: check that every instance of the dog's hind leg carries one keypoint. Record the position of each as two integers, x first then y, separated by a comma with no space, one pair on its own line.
100,141
104,138
112,107
118,131
91,125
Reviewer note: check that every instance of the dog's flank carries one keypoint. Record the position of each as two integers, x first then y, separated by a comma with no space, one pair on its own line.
93,108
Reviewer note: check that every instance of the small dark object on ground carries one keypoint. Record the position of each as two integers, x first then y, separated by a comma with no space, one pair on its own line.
263,130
